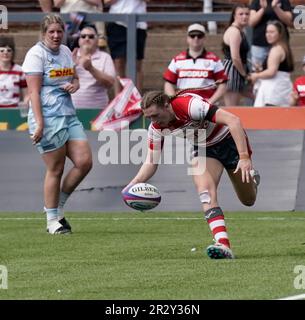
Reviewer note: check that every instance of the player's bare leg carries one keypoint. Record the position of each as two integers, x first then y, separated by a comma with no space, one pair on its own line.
79,152
55,162
120,67
206,181
246,192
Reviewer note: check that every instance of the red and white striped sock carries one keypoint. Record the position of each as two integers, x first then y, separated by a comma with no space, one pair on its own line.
216,221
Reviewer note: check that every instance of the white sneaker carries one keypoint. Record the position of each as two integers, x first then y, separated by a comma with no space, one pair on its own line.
219,251
54,227
255,176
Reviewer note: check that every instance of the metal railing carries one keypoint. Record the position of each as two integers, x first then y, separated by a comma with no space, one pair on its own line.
131,21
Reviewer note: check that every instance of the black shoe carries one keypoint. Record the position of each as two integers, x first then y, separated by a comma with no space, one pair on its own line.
65,224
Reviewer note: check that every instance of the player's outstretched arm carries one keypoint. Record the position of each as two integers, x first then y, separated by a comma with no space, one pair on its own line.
148,168
238,134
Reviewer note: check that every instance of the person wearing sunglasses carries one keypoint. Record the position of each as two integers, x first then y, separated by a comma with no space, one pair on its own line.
196,69
13,88
53,125
95,70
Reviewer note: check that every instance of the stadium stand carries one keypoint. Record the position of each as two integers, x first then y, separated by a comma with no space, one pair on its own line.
161,45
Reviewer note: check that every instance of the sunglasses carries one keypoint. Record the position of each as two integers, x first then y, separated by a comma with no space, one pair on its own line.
199,36
8,50
90,36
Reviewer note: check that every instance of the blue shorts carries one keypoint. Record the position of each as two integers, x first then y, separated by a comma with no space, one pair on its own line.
57,131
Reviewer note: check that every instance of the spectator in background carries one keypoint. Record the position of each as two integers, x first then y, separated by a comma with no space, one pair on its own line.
196,68
95,70
298,93
261,12
46,5
117,38
235,48
275,85
82,7
13,88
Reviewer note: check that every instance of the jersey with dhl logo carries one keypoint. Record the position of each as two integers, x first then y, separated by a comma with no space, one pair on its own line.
56,69
65,72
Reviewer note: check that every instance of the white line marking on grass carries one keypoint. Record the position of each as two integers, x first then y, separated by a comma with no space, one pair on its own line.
159,218
297,297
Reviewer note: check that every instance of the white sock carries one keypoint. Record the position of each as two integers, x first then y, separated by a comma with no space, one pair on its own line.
63,197
52,214
60,213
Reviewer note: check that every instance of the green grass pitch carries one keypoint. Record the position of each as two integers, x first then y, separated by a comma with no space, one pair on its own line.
148,256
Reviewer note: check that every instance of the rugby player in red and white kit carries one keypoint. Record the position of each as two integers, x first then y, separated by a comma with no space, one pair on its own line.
196,68
297,97
221,144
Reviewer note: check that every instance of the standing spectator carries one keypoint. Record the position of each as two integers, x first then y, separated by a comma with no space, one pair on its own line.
236,48
81,7
53,125
261,12
46,5
95,70
298,93
275,85
117,38
13,88
196,68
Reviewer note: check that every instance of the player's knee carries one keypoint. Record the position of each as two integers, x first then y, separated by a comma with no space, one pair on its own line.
205,197
84,163
208,199
87,165
56,170
249,202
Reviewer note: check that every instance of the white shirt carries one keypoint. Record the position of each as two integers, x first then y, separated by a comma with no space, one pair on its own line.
129,6
11,83
77,6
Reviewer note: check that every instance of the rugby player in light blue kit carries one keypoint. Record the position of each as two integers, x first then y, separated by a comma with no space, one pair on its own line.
53,125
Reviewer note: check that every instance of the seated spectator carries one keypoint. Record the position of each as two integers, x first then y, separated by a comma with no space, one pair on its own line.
235,49
13,88
261,12
81,7
196,68
117,38
95,70
297,97
274,87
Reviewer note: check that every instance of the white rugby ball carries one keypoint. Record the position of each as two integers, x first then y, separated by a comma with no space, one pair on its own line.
142,196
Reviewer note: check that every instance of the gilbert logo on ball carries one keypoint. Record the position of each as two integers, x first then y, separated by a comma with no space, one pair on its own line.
142,196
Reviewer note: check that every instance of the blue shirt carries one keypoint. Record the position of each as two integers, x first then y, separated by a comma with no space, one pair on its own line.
57,69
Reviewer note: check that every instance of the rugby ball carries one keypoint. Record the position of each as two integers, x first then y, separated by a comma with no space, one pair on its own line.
141,196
